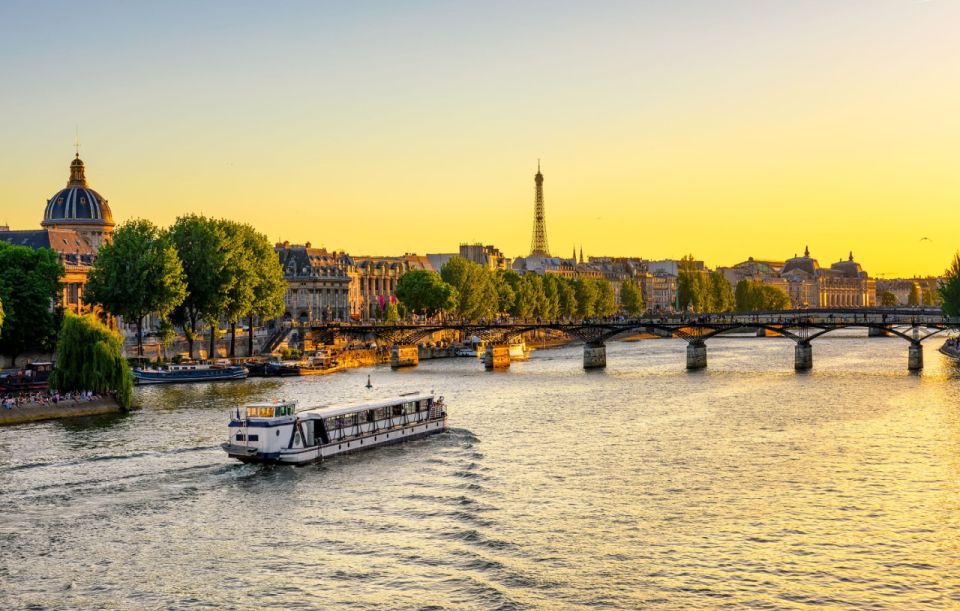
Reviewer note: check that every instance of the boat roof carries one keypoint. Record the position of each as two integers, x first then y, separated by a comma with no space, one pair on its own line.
269,403
325,411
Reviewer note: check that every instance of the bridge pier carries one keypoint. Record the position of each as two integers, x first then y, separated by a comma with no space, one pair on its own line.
883,331
404,356
696,354
497,356
915,356
803,354
594,355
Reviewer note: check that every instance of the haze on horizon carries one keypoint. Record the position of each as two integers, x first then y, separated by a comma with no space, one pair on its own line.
725,130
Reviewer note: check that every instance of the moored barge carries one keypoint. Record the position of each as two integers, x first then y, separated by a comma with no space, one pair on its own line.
176,374
275,432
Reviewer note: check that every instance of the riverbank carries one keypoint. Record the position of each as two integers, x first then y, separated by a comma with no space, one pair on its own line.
35,412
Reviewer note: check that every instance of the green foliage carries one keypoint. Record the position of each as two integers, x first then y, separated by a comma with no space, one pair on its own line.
631,297
1,315
914,298
476,292
29,286
586,295
290,353
425,293
692,288
754,296
721,298
89,357
888,299
567,298
949,289
207,254
606,300
391,313
137,273
166,333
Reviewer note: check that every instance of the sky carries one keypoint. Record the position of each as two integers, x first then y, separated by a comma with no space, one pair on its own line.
725,130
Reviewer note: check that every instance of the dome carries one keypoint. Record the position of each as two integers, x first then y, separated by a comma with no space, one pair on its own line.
849,268
77,203
806,264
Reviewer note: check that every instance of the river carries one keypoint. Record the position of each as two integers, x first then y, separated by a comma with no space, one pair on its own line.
642,485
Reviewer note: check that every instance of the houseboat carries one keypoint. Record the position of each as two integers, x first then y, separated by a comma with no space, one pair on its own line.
34,377
276,432
189,372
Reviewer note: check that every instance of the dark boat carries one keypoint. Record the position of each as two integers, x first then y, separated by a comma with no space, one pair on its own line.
256,370
951,348
283,368
177,374
35,377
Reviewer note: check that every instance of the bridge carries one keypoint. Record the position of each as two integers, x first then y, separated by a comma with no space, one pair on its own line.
914,325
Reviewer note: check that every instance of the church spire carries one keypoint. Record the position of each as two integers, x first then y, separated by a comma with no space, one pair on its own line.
806,251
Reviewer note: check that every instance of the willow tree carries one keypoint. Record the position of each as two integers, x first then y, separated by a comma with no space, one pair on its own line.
136,274
90,357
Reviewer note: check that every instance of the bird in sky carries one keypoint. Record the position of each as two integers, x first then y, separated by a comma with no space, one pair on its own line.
925,238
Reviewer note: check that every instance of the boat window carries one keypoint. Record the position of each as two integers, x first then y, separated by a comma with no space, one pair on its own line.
252,412
266,412
239,436
253,437
397,410
380,413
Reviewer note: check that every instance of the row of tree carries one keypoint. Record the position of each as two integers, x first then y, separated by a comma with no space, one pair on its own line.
194,274
471,291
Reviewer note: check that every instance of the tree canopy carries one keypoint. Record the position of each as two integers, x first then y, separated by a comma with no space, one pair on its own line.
203,249
703,291
425,293
136,274
29,289
949,289
89,357
755,296
888,299
631,297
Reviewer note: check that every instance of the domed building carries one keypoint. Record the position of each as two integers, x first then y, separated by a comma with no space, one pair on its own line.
75,222
80,208
843,285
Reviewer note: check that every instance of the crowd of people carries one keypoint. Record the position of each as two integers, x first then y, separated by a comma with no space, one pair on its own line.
44,398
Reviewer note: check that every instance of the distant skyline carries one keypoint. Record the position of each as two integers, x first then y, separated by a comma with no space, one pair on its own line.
723,130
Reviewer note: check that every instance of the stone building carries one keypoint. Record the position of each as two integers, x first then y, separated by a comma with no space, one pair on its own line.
319,282
843,285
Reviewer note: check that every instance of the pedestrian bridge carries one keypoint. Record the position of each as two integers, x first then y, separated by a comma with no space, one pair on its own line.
914,325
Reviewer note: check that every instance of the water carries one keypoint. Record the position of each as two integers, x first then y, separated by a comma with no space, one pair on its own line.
639,486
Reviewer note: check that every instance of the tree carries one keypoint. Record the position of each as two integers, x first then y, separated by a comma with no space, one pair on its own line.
29,290
201,245
1,315
270,286
631,297
915,297
754,296
721,293
586,294
692,286
425,293
567,298
606,300
888,299
477,295
949,288
137,273
166,333
90,357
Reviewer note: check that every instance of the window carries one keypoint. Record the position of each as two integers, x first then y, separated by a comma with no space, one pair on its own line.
239,436
253,437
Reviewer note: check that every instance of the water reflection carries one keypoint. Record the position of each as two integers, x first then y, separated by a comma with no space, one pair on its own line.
642,485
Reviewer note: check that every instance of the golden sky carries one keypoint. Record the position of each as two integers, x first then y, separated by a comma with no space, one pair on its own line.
722,129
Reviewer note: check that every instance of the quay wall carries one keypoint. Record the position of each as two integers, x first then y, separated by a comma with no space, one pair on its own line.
65,409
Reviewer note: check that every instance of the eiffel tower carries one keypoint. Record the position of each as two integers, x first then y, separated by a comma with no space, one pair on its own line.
538,246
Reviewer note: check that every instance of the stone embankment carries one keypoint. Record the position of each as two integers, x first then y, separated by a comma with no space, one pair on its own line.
34,412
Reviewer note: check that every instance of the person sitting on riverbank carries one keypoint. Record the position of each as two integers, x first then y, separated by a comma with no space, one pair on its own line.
45,398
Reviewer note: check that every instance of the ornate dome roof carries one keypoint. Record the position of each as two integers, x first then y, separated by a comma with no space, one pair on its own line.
805,264
78,203
849,268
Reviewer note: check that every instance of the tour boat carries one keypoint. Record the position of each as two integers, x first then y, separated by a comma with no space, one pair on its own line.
275,432
519,350
175,374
